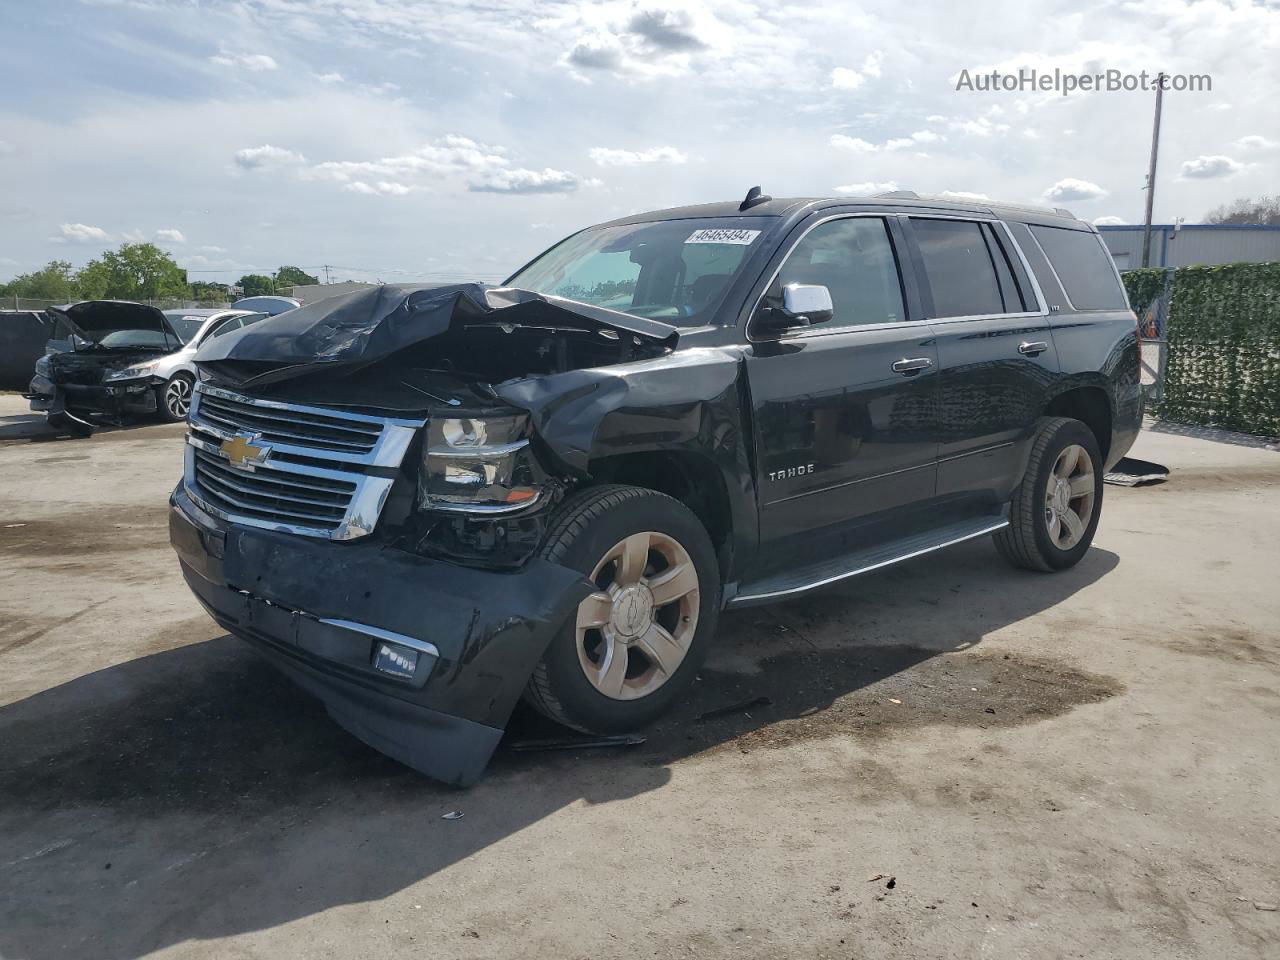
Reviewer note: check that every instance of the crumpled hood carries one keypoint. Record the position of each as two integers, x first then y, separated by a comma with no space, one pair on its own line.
367,325
92,320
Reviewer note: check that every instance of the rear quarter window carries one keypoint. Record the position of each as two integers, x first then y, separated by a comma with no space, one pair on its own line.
1084,267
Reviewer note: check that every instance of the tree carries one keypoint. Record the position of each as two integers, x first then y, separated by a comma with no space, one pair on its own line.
137,271
54,282
1264,210
207,292
256,285
294,277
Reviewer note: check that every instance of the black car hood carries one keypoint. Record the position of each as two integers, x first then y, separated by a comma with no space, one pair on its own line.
365,326
92,320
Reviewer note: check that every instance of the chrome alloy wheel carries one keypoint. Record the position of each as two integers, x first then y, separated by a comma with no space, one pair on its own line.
177,398
635,630
1069,496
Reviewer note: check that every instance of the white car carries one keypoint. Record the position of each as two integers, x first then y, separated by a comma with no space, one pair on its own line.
193,328
116,360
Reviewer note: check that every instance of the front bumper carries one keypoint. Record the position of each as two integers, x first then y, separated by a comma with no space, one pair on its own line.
112,399
321,611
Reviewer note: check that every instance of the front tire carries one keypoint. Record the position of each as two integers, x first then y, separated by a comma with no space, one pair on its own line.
636,643
175,397
1054,512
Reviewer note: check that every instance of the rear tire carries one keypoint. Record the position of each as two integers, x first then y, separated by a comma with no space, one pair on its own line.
635,644
1055,509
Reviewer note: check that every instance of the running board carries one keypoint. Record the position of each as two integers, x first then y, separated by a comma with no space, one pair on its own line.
795,582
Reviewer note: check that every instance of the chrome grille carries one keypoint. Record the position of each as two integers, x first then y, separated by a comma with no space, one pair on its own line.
310,470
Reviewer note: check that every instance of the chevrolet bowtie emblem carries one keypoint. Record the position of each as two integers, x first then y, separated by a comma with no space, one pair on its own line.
241,451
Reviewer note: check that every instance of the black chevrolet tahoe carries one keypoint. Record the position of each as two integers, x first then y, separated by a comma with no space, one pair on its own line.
423,503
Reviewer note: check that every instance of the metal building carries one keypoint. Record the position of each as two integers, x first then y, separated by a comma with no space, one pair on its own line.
1180,245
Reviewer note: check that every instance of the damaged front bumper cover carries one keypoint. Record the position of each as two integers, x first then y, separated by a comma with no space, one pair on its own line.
114,400
421,659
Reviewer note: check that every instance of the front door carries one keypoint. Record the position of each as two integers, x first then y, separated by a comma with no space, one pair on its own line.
845,411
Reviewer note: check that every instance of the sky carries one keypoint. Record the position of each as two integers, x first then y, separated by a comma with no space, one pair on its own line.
402,140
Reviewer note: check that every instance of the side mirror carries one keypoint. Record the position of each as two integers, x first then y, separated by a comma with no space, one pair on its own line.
806,303
803,304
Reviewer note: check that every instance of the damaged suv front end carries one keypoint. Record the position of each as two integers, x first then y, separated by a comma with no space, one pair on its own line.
365,507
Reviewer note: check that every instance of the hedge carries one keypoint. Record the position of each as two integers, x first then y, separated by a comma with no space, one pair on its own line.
1223,363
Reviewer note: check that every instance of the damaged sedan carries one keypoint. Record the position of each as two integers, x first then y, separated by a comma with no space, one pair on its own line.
115,359
424,503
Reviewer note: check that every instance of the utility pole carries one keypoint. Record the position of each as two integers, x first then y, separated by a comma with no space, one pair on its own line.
326,273
1151,173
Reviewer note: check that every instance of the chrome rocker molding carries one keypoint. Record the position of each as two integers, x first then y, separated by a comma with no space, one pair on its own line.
804,588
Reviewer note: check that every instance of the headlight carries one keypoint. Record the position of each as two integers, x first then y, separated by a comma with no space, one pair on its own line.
42,366
133,372
477,465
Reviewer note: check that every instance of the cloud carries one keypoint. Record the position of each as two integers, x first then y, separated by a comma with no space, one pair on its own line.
1070,190
329,77
386,188
843,78
1249,143
600,51
1108,221
981,127
856,144
446,155
609,157
81,233
7,148
211,248
670,30
170,235
846,78
266,157
527,181
962,195
253,62
868,189
1209,168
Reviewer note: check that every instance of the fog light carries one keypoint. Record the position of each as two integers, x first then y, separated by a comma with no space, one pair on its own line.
396,660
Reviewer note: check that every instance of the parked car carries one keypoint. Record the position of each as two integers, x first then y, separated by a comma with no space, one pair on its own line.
119,359
423,503
268,304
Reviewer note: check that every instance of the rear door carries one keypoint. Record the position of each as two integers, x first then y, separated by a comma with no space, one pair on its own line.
845,412
995,353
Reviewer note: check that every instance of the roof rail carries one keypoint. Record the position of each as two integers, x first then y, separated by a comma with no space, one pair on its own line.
1028,207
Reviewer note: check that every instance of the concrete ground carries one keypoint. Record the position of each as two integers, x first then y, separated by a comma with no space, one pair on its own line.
1075,765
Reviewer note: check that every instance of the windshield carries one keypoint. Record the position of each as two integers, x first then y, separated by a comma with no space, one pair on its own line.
185,325
672,270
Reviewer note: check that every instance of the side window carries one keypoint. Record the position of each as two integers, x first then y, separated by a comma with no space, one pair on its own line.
252,318
961,272
226,327
1084,267
1015,289
853,258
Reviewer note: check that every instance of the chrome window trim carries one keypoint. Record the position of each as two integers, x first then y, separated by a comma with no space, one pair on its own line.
804,332
1035,284
1041,301
1115,271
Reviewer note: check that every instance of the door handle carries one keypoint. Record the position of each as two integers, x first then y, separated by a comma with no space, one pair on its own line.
1033,349
911,366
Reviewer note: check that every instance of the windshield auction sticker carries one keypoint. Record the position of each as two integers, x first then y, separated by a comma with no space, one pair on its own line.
721,235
